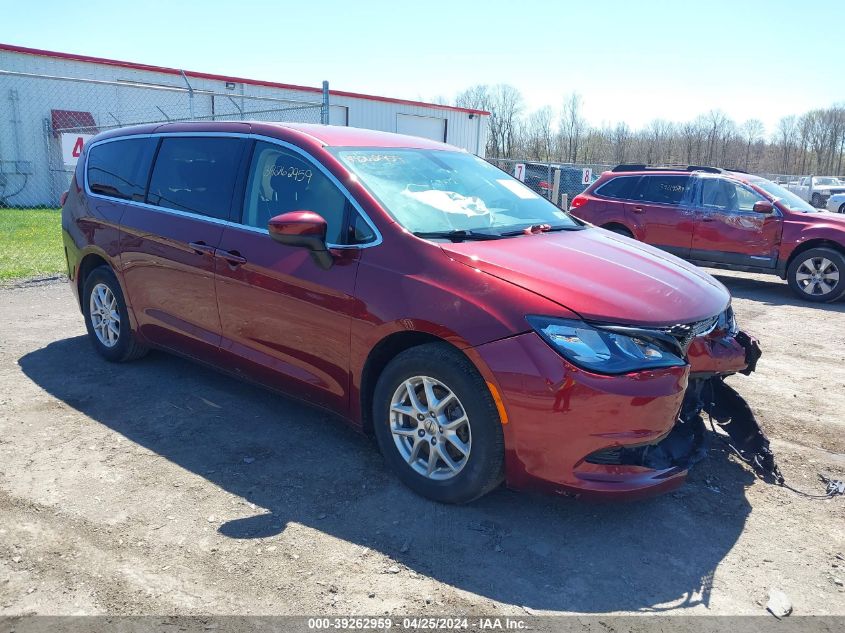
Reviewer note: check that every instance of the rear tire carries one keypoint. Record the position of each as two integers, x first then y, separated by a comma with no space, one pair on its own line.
437,425
818,275
107,318
842,209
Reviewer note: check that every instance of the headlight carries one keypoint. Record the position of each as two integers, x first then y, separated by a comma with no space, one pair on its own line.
727,322
604,351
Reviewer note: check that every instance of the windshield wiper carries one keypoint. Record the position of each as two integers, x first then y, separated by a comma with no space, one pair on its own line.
456,235
541,228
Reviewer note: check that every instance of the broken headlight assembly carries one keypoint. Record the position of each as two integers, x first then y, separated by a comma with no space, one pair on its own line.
608,350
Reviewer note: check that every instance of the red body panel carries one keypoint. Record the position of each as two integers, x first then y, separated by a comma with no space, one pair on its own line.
571,267
770,238
560,414
662,225
233,296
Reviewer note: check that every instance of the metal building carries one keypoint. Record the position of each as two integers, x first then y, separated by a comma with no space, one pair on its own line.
51,103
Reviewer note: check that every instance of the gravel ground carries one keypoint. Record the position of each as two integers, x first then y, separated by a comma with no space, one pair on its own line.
162,487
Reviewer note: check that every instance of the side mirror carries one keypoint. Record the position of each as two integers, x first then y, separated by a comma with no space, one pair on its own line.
302,228
763,206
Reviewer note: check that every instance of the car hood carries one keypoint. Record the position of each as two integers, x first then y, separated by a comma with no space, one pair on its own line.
599,275
822,217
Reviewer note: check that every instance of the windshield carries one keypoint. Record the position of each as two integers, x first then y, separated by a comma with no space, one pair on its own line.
826,181
435,191
784,197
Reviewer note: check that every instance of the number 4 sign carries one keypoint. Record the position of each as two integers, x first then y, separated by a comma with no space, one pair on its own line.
72,145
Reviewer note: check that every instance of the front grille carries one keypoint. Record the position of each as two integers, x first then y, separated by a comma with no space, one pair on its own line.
684,333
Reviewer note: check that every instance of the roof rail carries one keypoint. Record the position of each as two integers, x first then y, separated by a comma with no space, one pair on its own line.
709,170
643,167
630,167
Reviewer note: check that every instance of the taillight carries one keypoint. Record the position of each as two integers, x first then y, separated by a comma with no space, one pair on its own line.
63,199
578,201
544,185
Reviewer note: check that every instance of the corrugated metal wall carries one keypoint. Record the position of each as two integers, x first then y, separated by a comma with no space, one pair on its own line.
26,144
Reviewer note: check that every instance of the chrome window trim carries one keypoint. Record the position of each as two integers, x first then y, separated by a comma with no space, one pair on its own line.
198,216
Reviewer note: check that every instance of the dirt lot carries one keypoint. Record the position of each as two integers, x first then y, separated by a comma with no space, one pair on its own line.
163,487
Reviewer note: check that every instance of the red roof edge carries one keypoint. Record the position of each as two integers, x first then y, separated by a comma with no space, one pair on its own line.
199,75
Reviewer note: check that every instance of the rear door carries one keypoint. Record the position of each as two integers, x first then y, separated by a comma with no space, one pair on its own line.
168,243
660,206
728,230
285,320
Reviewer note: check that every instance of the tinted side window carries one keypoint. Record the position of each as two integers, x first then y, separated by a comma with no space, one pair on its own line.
196,174
619,187
662,189
120,168
281,180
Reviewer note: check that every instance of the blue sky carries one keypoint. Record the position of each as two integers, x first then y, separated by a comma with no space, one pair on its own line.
631,61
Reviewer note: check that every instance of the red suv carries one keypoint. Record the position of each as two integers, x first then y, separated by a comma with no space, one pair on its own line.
479,332
723,219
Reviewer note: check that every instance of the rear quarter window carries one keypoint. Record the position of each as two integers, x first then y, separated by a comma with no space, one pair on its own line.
619,187
119,169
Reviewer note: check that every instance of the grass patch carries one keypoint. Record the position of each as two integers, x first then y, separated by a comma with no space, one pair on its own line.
31,243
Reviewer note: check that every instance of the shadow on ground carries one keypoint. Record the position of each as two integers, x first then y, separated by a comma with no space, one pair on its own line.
771,291
540,552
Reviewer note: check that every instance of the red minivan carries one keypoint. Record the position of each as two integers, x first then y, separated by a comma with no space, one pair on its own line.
478,331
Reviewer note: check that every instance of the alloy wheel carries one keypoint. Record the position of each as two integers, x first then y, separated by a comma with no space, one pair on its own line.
105,316
817,276
430,428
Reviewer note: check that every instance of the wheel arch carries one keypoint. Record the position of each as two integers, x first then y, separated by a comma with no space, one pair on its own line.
610,226
809,244
89,262
380,355
388,348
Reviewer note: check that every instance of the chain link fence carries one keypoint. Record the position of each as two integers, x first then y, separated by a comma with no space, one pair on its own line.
558,182
45,120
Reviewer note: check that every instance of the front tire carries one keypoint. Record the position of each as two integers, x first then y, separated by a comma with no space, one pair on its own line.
842,208
818,274
437,425
107,318
816,200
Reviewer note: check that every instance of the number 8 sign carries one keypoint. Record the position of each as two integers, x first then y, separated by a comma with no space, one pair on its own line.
586,176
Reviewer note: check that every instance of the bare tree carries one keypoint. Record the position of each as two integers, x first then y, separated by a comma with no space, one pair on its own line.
572,126
539,134
786,135
716,121
620,138
752,131
813,142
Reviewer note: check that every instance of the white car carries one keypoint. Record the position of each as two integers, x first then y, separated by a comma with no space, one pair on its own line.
836,203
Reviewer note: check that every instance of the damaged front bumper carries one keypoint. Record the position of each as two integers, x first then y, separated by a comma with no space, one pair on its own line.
573,432
729,415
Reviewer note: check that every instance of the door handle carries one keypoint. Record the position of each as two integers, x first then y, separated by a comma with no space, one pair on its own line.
707,218
233,257
201,248
638,210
